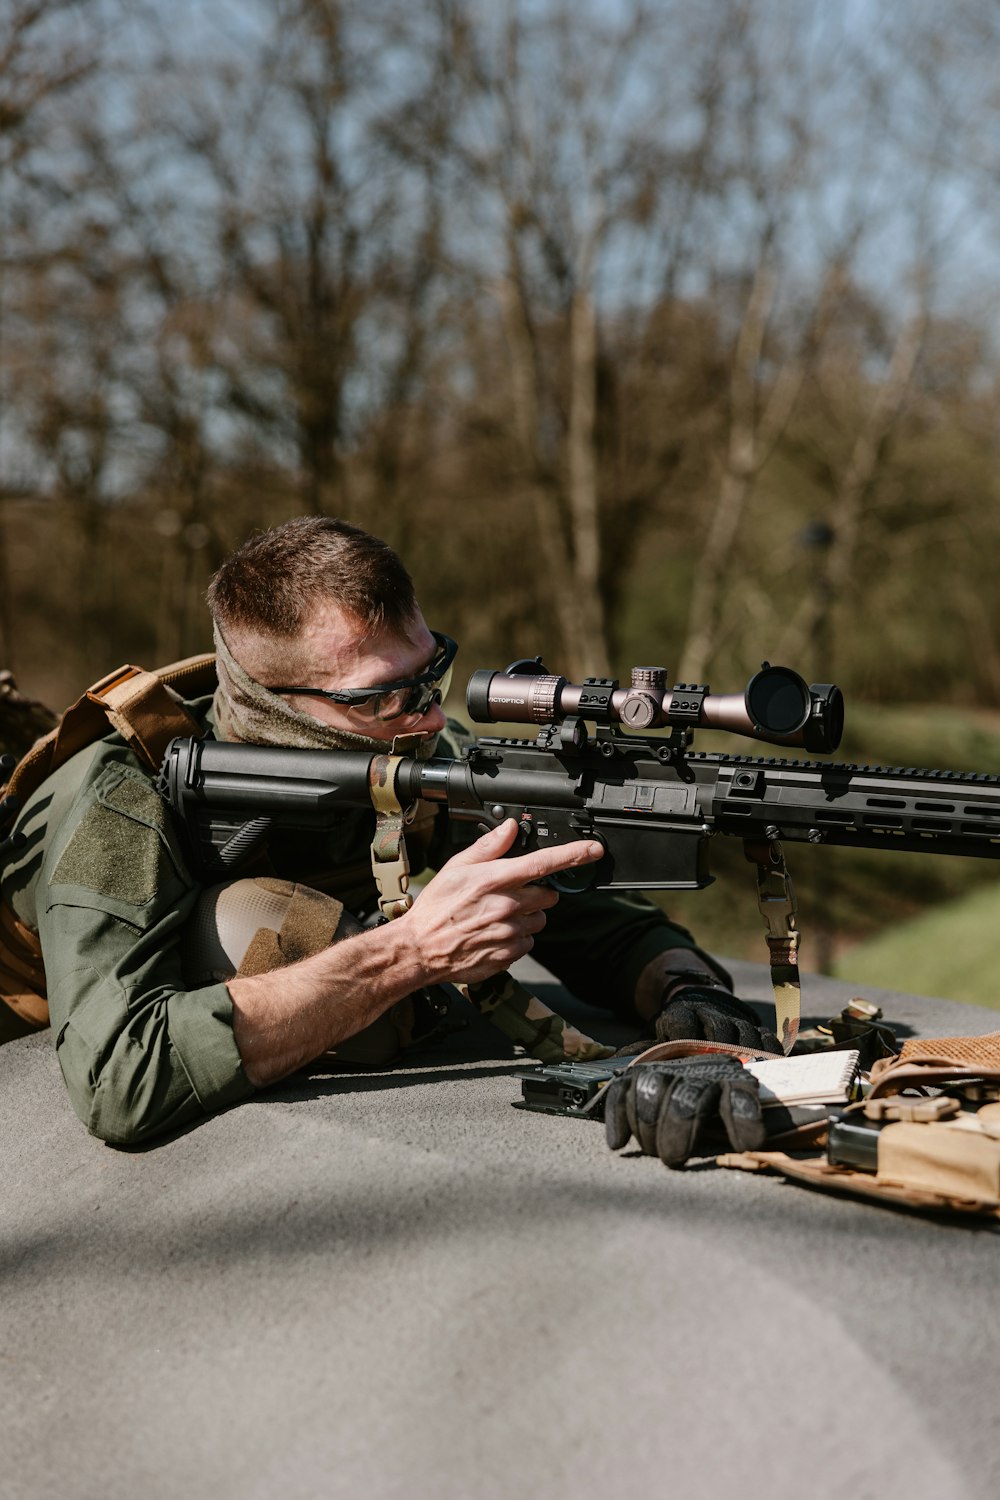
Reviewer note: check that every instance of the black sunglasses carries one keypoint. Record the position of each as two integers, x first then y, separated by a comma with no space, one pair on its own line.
393,700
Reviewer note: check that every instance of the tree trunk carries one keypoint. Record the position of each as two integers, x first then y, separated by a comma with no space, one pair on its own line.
545,501
847,508
741,464
591,647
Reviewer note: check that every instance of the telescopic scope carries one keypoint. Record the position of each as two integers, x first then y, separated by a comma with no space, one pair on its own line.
777,706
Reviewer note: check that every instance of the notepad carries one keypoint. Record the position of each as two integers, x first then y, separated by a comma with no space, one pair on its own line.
816,1078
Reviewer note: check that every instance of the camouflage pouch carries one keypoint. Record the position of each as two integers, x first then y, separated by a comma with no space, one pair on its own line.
936,1151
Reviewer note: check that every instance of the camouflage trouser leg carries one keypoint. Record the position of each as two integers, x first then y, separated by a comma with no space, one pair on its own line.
524,1018
256,926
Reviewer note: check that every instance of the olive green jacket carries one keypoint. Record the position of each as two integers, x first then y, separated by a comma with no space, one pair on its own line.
104,881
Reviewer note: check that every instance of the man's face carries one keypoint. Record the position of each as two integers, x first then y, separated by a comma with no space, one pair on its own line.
334,651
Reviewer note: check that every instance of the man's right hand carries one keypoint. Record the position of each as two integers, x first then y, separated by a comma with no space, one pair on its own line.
481,912
692,1106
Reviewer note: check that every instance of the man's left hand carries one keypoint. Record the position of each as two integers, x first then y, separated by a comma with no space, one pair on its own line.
706,1013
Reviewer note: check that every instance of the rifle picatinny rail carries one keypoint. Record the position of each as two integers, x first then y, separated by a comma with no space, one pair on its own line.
655,816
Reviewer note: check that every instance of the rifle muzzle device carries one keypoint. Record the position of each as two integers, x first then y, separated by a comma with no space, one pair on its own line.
777,705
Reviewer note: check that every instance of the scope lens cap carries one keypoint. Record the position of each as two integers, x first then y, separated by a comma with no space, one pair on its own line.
777,700
527,666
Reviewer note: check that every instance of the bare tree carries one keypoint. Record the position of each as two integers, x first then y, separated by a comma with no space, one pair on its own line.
562,155
774,162
48,48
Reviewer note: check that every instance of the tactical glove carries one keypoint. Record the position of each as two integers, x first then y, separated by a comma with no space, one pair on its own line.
703,1013
691,1106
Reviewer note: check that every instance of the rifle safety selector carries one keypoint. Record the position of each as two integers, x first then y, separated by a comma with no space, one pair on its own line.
777,705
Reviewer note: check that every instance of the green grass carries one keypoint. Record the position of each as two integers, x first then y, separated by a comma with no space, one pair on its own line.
952,951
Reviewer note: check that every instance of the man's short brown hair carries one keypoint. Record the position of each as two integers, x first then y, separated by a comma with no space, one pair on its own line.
273,582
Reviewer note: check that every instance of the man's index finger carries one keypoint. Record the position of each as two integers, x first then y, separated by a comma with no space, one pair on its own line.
522,869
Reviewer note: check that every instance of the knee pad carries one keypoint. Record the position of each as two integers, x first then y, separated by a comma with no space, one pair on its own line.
254,925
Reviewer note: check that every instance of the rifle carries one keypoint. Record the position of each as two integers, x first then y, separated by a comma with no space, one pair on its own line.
653,803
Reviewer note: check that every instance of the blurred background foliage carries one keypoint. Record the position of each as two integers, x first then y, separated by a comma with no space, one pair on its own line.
643,329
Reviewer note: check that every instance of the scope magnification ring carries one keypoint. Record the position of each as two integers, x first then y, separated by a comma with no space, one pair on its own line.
543,695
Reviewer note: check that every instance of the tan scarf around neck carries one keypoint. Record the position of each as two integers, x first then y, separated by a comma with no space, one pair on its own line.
250,713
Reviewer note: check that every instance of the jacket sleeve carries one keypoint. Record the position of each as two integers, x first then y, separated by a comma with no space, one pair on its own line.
140,1052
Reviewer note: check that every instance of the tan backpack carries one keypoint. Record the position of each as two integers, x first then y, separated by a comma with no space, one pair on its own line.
146,710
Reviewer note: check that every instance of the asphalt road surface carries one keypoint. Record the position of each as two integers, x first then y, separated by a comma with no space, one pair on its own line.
397,1285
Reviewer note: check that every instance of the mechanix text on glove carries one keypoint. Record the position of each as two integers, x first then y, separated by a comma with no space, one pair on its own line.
692,1106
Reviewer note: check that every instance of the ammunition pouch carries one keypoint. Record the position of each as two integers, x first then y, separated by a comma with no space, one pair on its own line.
938,1153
